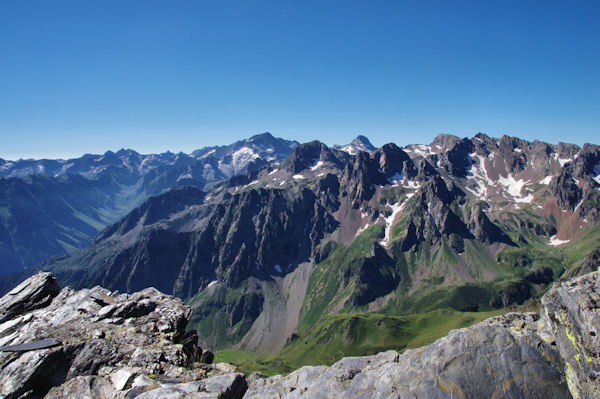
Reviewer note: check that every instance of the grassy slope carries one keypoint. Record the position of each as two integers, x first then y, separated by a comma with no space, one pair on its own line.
355,334
324,290
575,251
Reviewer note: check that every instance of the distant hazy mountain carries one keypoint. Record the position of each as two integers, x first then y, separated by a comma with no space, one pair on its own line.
263,257
53,207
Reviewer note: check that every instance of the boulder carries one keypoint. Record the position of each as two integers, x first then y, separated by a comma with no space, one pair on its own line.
33,293
84,387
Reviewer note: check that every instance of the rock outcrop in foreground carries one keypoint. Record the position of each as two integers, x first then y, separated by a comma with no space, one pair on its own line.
96,344
555,354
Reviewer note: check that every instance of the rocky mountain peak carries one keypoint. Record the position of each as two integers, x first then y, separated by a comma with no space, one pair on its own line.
392,160
266,136
307,155
363,143
566,191
452,154
446,141
359,144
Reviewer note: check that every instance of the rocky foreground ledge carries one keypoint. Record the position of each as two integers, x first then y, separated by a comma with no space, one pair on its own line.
96,344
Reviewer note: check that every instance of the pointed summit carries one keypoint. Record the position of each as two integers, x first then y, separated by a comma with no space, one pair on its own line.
363,143
360,143
266,136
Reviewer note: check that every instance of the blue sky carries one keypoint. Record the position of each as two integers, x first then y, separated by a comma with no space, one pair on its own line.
88,76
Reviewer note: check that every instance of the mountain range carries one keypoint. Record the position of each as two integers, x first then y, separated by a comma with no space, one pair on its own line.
268,256
54,207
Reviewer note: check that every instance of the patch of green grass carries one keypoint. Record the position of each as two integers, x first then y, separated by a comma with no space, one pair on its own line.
356,334
468,296
248,362
212,313
581,248
324,289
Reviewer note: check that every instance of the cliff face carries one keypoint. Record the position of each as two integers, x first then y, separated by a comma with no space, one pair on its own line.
554,354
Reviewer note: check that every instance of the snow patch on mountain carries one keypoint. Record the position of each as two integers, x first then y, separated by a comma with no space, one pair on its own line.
596,175
478,173
546,180
360,143
431,217
419,149
556,242
350,149
316,166
396,209
208,153
561,161
298,177
211,283
514,188
184,176
398,177
361,229
243,156
64,168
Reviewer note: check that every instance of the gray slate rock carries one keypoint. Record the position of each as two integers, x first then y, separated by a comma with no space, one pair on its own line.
571,315
84,387
41,344
33,293
94,343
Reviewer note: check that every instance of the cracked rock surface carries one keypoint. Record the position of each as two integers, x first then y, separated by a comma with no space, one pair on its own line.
100,344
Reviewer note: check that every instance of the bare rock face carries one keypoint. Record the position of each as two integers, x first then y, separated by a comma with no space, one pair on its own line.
500,357
554,354
100,344
31,294
571,315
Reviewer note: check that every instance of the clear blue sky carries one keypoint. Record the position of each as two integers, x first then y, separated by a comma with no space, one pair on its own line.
88,76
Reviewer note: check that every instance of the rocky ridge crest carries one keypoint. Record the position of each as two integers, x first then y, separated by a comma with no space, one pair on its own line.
94,343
